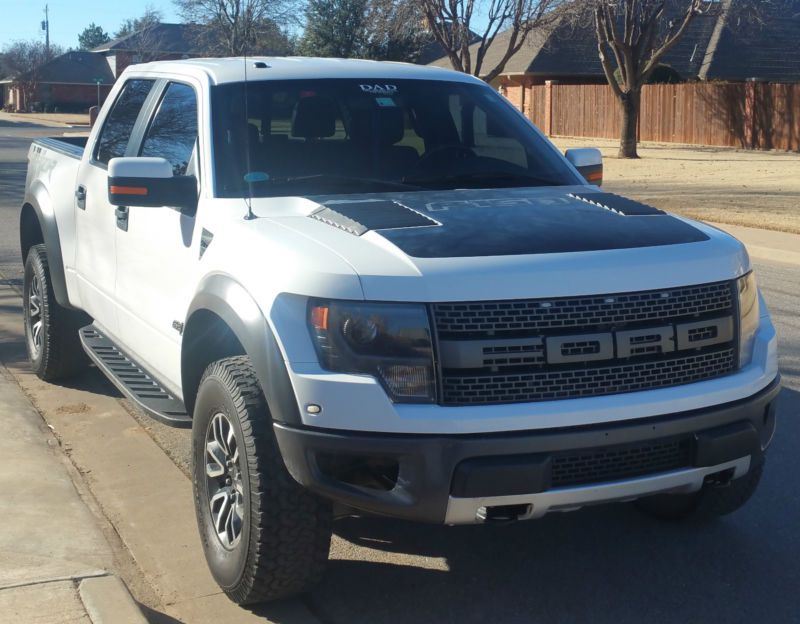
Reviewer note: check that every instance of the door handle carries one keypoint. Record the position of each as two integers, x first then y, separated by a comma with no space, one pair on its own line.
80,196
122,217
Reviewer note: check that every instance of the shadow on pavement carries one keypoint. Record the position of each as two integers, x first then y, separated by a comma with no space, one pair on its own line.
600,564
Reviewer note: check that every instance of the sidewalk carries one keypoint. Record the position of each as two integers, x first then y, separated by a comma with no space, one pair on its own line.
55,120
54,559
766,244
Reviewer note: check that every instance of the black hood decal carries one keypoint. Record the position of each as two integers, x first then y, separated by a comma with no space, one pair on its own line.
468,223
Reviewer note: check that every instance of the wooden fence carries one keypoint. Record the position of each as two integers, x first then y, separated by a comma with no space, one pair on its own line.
747,115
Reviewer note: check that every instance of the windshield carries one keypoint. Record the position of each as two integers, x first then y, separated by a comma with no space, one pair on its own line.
305,137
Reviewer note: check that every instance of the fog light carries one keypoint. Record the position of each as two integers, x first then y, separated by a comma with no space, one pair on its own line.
408,381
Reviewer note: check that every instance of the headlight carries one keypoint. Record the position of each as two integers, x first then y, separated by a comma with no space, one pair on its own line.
748,316
391,342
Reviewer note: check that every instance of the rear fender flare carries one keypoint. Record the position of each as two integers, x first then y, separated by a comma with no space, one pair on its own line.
37,204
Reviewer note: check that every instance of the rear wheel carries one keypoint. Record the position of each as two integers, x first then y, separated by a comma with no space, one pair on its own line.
51,331
265,537
710,502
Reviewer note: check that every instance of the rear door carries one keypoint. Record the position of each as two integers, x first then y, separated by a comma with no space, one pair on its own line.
95,219
158,253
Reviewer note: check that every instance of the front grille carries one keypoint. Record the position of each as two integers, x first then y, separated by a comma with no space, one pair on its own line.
459,320
585,382
620,462
574,347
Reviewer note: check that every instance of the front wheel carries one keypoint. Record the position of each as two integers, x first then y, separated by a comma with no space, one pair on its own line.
51,330
265,537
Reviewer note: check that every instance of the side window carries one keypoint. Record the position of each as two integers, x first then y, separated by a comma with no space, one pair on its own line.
173,131
116,132
492,141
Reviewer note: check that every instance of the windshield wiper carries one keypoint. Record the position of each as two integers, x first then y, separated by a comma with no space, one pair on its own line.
482,177
338,181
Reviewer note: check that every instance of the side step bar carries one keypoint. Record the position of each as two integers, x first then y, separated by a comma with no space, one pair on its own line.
132,380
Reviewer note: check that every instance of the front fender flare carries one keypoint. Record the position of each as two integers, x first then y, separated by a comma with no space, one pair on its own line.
228,299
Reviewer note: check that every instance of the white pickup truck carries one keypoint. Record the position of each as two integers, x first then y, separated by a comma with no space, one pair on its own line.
378,288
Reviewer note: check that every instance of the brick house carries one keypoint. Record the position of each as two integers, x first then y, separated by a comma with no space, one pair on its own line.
716,47
75,81
159,42
69,83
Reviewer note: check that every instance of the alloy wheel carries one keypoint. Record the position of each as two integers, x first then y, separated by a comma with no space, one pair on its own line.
35,320
224,481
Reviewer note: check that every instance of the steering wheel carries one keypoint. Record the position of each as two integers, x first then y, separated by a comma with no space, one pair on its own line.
459,152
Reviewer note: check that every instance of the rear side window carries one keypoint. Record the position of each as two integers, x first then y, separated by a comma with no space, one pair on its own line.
116,132
173,131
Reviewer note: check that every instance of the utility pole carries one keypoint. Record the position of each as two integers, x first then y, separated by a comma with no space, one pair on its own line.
46,29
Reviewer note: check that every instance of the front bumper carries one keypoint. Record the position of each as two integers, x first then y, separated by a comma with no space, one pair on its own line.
463,479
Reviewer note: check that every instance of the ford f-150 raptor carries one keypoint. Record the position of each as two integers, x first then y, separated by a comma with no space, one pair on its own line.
378,288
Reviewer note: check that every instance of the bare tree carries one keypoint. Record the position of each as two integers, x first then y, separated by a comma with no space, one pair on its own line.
451,24
150,17
24,60
238,27
396,31
632,38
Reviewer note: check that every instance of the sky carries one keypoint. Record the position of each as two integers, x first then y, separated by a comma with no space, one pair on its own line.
21,19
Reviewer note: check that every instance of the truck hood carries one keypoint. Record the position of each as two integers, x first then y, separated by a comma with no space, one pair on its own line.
509,243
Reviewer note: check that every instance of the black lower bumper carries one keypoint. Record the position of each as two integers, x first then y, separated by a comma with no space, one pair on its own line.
414,476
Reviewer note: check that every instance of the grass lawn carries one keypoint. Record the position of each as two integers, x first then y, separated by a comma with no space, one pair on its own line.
757,189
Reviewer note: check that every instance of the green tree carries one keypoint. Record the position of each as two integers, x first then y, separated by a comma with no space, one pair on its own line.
334,28
92,36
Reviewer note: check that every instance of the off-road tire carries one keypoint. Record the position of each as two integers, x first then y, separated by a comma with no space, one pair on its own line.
286,530
709,503
59,354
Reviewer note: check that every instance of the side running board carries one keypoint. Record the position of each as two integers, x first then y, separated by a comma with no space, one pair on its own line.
132,380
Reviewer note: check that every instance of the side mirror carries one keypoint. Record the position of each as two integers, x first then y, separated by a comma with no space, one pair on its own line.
589,163
144,181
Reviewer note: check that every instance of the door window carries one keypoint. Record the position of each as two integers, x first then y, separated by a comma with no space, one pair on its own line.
116,132
173,131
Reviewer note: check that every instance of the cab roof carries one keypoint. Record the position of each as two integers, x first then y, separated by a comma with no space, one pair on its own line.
232,69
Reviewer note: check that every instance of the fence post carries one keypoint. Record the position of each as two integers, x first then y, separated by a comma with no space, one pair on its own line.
548,107
750,133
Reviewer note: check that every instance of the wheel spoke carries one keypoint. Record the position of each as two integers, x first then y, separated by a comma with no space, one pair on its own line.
34,305
230,443
215,468
220,510
37,333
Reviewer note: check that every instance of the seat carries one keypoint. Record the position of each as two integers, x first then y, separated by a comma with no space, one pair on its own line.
314,119
374,133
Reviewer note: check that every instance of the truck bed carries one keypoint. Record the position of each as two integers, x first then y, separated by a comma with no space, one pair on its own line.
69,146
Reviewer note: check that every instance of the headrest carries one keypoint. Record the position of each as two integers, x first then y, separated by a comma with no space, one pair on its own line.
314,117
383,125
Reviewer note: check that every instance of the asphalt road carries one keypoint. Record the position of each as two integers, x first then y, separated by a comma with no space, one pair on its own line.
604,564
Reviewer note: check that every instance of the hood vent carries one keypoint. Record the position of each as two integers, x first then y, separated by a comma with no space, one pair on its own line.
359,217
620,205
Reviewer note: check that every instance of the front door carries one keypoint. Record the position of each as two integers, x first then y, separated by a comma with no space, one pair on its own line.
95,219
158,250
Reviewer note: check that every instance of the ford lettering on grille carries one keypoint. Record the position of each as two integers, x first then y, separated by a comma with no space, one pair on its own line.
535,350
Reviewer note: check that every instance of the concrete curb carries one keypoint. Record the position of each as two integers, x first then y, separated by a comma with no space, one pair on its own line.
108,601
